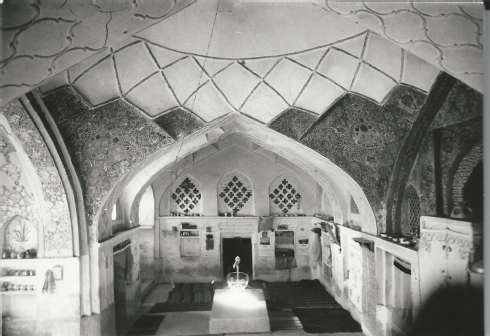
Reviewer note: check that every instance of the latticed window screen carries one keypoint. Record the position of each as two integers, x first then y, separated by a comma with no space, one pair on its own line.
284,196
413,212
353,206
187,196
235,194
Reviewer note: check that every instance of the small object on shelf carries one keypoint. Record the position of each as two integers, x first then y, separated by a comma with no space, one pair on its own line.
32,287
13,255
5,255
16,273
384,235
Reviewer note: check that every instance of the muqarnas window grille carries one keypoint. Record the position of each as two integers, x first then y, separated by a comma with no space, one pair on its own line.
187,197
284,196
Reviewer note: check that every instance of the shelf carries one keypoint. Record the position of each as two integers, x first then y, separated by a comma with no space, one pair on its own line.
189,237
19,293
17,262
17,278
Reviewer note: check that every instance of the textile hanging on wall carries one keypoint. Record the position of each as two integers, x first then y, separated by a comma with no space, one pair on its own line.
49,283
285,259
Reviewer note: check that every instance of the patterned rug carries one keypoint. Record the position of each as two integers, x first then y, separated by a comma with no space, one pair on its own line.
165,307
322,320
298,297
146,325
190,297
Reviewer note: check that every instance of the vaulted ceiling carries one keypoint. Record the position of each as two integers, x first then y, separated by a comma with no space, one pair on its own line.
345,79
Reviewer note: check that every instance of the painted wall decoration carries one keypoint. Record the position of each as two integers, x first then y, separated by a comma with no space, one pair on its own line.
56,217
105,143
454,142
462,104
368,156
235,194
20,235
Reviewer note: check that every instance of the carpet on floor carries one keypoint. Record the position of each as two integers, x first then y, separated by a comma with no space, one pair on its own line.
190,297
146,325
298,297
284,320
165,307
327,320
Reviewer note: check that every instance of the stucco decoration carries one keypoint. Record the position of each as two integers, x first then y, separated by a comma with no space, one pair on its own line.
448,36
293,123
235,194
186,196
284,196
64,104
462,103
107,142
463,172
40,39
56,217
20,235
454,142
158,79
179,123
367,154
15,199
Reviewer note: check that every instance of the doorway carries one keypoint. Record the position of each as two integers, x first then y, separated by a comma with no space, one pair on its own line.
233,247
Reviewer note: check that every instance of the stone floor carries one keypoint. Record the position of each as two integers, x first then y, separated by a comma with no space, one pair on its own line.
197,323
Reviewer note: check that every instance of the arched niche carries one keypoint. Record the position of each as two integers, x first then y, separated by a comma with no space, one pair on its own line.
335,183
285,196
18,235
235,194
461,171
186,196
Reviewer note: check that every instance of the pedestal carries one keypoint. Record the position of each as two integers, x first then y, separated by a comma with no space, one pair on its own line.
242,311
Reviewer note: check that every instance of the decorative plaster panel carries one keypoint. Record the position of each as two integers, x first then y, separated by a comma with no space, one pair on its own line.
447,36
42,39
105,143
364,139
57,229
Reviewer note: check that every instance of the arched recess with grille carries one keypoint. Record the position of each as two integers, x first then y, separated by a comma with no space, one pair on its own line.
285,196
235,194
410,218
186,195
458,189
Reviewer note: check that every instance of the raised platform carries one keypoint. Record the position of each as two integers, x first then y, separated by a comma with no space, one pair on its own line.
239,312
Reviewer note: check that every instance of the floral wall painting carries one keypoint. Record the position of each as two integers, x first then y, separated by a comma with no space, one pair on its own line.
20,235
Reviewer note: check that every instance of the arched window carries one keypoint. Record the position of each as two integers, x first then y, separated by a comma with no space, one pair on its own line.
186,196
411,212
284,196
235,194
146,208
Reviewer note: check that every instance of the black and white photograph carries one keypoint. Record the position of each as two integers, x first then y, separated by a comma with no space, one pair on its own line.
243,167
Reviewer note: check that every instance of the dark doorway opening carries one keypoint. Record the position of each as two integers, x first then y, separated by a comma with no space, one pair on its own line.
233,247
